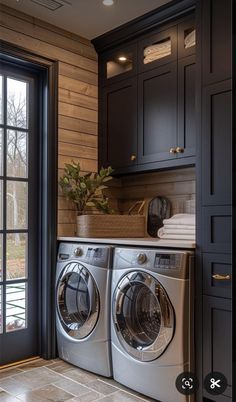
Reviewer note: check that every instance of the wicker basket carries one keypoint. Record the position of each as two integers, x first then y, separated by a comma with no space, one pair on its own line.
111,225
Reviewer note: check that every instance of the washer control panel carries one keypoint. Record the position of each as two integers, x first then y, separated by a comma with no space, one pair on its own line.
91,254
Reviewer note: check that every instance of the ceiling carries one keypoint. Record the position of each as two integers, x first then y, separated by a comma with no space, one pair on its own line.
87,18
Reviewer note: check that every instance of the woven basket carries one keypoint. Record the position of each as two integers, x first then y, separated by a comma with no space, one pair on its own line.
111,225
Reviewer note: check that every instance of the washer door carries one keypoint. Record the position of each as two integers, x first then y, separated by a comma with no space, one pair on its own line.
143,316
77,301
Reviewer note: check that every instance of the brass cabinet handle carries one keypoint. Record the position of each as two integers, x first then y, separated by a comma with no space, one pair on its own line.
133,158
172,150
219,277
179,150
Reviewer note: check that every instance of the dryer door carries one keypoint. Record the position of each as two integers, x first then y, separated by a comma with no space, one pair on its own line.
143,316
77,301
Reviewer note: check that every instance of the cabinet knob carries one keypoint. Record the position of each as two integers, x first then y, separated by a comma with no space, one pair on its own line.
133,158
179,150
219,277
172,150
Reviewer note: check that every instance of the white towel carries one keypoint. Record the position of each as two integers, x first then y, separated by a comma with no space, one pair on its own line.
180,227
178,237
164,230
190,39
158,48
181,219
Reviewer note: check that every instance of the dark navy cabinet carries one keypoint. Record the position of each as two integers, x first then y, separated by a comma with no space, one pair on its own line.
217,342
118,145
216,16
147,117
214,176
157,114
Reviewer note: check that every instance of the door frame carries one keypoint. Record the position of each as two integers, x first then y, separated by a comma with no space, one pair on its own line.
47,71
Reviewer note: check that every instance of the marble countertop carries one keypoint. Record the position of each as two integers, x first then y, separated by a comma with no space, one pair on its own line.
149,242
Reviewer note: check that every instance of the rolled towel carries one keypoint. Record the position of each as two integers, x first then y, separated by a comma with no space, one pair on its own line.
181,219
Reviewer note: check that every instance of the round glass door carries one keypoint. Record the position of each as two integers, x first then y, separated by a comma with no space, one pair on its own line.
143,316
77,301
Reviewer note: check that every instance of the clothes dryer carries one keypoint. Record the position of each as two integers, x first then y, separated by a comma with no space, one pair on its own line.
152,320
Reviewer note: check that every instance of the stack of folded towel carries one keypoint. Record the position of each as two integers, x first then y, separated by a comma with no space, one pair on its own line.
157,51
179,227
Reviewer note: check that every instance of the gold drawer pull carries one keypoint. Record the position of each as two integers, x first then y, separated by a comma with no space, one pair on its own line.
172,150
133,158
179,150
219,277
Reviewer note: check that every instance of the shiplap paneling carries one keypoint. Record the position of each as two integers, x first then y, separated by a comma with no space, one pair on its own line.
77,91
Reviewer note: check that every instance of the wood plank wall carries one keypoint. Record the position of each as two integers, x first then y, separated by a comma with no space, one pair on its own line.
78,101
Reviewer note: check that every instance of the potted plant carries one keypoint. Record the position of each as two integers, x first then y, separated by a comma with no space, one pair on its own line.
86,191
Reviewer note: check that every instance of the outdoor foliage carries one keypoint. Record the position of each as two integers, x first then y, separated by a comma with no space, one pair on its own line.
86,190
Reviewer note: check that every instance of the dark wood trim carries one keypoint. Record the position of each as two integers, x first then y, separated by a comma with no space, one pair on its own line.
143,24
47,71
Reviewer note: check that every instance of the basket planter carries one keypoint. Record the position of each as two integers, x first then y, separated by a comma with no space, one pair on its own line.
110,226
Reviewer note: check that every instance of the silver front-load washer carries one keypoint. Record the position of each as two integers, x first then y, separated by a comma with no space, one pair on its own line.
151,328
82,312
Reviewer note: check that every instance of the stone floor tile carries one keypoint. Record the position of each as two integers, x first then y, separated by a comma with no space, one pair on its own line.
45,394
91,396
37,378
34,364
5,397
60,366
71,386
9,372
101,387
121,396
82,376
13,386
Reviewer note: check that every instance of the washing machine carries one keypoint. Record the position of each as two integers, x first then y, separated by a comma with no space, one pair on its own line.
152,320
83,282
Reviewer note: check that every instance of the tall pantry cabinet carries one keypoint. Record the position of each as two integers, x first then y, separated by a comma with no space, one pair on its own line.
214,193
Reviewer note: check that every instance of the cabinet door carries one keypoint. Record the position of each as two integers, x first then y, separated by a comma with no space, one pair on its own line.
157,114
217,341
119,124
217,274
186,107
216,40
217,144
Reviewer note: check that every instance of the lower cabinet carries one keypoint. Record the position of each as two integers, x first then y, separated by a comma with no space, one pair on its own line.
217,342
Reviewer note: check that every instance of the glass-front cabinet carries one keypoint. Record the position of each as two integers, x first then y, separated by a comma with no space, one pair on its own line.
119,65
186,38
158,49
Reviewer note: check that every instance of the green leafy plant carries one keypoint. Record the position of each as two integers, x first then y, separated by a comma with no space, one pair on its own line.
86,190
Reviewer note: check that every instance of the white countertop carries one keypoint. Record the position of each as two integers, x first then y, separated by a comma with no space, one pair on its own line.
153,242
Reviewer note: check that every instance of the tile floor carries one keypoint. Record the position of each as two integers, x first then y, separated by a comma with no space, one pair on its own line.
57,381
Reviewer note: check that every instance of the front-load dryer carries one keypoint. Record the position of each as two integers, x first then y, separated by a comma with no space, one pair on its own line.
83,281
151,323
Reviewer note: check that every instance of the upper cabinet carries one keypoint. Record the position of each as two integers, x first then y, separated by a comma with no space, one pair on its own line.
147,100
216,40
157,114
118,64
118,145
